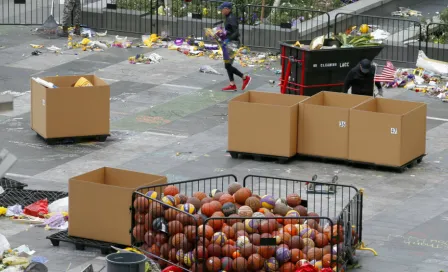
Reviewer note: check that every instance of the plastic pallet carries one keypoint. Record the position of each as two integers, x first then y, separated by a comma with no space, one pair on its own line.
260,157
82,243
26,197
7,183
74,140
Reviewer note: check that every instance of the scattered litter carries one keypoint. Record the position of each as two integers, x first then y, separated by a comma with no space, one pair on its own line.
406,12
60,205
36,267
36,53
37,209
14,210
208,70
4,244
101,34
24,251
36,46
141,58
44,82
54,48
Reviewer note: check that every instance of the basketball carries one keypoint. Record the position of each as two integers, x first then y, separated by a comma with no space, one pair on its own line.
225,198
226,264
139,218
296,255
206,200
213,264
266,251
307,242
314,215
213,192
205,230
268,226
188,208
160,224
251,225
242,241
219,238
301,210
268,202
291,218
242,195
271,265
207,209
321,240
245,211
327,249
141,204
200,253
228,209
214,250
215,223
190,232
175,227
217,205
195,202
287,267
254,203
233,187
170,214
164,250
283,254
312,223
228,250
199,195
183,218
139,233
293,200
170,190
248,250
255,238
179,241
228,231
218,195
291,229
169,201
232,219
172,255
281,209
239,264
296,242
181,199
189,259
180,256
314,253
152,194
150,237
197,219
255,262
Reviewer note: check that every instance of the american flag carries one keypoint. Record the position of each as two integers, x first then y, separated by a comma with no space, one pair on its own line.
388,73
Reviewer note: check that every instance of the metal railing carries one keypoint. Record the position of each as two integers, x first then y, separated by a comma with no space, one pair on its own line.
436,35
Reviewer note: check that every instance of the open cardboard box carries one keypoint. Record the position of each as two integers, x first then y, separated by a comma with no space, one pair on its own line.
100,201
324,122
67,111
264,123
387,132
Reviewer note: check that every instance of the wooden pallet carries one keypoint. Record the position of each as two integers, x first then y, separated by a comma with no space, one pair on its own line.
259,157
399,169
74,140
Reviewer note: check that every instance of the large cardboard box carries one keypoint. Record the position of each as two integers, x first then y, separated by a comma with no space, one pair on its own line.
99,203
387,132
67,111
264,123
323,125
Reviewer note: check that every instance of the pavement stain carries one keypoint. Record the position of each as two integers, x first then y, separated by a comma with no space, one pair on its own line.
172,110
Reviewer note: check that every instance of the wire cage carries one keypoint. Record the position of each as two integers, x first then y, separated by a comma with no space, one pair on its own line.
259,224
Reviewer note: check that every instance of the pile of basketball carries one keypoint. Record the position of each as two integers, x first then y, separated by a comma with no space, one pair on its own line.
233,231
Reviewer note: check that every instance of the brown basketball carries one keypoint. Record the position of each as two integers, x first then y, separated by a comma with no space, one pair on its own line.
155,249
160,239
228,250
150,237
213,264
242,195
170,214
164,250
208,230
296,255
196,219
218,195
232,219
171,190
190,232
202,242
314,214
195,202
326,260
226,198
172,255
206,200
245,211
139,218
293,200
287,267
228,231
214,250
255,262
200,253
199,195
296,242
238,226
148,221
180,198
312,223
217,205
183,218
156,209
315,253
139,232
254,238
268,226
207,209
239,264
266,251
247,250
254,203
179,241
216,224
233,187
281,209
327,249
175,227
321,240
301,210
198,267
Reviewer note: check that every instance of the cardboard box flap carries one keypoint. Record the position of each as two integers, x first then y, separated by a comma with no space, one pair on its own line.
337,100
389,106
69,81
272,99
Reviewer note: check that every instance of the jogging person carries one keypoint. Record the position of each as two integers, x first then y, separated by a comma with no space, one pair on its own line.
233,35
361,79
69,7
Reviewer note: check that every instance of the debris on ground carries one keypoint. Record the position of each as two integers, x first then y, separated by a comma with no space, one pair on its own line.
406,12
207,69
142,58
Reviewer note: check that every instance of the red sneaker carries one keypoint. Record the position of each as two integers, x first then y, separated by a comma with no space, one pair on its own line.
246,82
230,88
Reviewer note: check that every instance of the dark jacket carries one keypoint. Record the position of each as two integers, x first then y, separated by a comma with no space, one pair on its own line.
231,26
361,83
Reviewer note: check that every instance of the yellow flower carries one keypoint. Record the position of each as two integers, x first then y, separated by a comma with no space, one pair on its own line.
3,211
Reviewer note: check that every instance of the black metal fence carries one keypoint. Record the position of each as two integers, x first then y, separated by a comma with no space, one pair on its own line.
262,27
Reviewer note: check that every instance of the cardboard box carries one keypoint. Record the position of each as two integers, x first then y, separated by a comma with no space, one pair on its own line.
67,111
264,123
387,132
323,125
99,203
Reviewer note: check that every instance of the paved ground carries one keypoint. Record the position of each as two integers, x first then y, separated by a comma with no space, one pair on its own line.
159,110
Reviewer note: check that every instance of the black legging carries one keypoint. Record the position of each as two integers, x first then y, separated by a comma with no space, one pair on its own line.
232,71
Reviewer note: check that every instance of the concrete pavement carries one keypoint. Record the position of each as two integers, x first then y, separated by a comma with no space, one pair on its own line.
161,109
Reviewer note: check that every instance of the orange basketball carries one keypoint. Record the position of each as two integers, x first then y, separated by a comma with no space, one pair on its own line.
171,190
206,200
233,187
314,214
254,203
216,224
213,264
255,262
266,251
139,218
207,209
321,240
326,260
217,205
141,204
156,209
214,250
226,198
291,229
315,253
139,233
179,241
268,226
199,195
175,227
287,267
228,231
242,195
232,219
296,255
190,232
301,210
239,264
170,214
205,229
228,250
195,202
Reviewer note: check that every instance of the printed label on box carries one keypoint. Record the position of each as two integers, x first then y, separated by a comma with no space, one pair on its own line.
394,131
342,124
43,102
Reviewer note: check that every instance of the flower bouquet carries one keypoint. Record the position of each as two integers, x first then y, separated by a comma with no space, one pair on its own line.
219,34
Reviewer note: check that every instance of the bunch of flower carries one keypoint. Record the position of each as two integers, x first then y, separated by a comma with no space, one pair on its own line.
218,33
